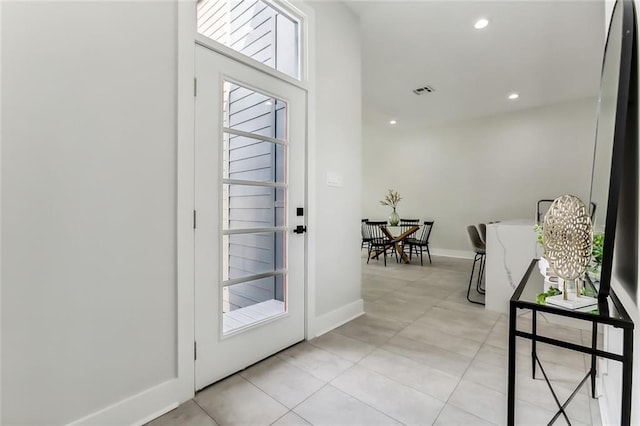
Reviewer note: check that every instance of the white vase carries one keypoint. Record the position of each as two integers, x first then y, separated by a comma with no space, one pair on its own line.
394,218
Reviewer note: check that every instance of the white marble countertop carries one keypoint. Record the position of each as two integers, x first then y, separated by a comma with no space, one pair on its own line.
511,244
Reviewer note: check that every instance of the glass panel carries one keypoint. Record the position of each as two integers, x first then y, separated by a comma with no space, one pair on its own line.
253,28
534,283
252,159
246,206
249,254
606,121
253,112
251,302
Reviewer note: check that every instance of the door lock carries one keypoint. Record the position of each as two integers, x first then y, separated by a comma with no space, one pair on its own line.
300,229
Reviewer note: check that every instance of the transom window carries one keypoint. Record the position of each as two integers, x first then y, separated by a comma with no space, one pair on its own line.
254,28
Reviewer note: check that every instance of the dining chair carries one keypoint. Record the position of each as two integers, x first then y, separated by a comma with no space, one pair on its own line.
421,242
543,205
405,224
541,209
479,249
482,229
379,241
364,232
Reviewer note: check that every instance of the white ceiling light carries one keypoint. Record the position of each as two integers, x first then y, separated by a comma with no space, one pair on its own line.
481,23
513,96
392,122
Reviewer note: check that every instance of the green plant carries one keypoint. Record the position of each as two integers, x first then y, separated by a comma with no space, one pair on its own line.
542,297
539,234
598,246
391,199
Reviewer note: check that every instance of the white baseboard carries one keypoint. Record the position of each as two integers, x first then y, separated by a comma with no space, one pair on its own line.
157,414
135,410
327,322
462,254
606,416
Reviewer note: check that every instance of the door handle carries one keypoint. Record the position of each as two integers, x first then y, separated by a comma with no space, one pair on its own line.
300,229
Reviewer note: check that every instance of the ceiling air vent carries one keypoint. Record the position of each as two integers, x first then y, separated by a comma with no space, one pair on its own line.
423,90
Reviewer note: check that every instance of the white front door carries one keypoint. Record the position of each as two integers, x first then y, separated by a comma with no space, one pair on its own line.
250,180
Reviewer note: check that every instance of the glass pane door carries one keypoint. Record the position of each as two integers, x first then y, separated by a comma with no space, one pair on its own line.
250,155
254,192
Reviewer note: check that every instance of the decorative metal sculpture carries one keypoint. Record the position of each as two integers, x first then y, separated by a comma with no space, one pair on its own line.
568,238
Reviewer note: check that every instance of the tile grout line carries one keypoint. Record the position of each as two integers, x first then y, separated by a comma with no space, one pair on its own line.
329,383
374,347
339,355
470,362
525,374
411,387
282,403
303,401
465,372
205,411
358,399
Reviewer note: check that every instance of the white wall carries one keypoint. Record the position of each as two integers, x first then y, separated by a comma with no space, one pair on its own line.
89,206
90,302
493,168
335,148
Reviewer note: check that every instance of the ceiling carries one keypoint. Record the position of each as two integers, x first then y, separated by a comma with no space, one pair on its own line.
547,51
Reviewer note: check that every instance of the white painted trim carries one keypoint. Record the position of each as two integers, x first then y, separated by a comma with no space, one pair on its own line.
609,408
606,417
158,413
243,59
1,3
461,254
135,409
307,43
327,322
185,199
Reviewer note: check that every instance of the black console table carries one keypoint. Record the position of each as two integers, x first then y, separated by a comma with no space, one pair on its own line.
609,311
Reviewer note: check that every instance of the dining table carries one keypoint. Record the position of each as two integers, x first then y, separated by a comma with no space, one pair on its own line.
396,240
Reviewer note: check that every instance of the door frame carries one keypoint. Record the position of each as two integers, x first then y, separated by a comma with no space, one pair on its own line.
188,37
221,353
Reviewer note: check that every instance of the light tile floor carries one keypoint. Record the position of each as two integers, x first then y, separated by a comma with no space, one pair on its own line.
421,355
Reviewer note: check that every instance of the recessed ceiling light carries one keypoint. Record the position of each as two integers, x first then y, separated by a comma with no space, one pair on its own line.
513,96
481,23
393,122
